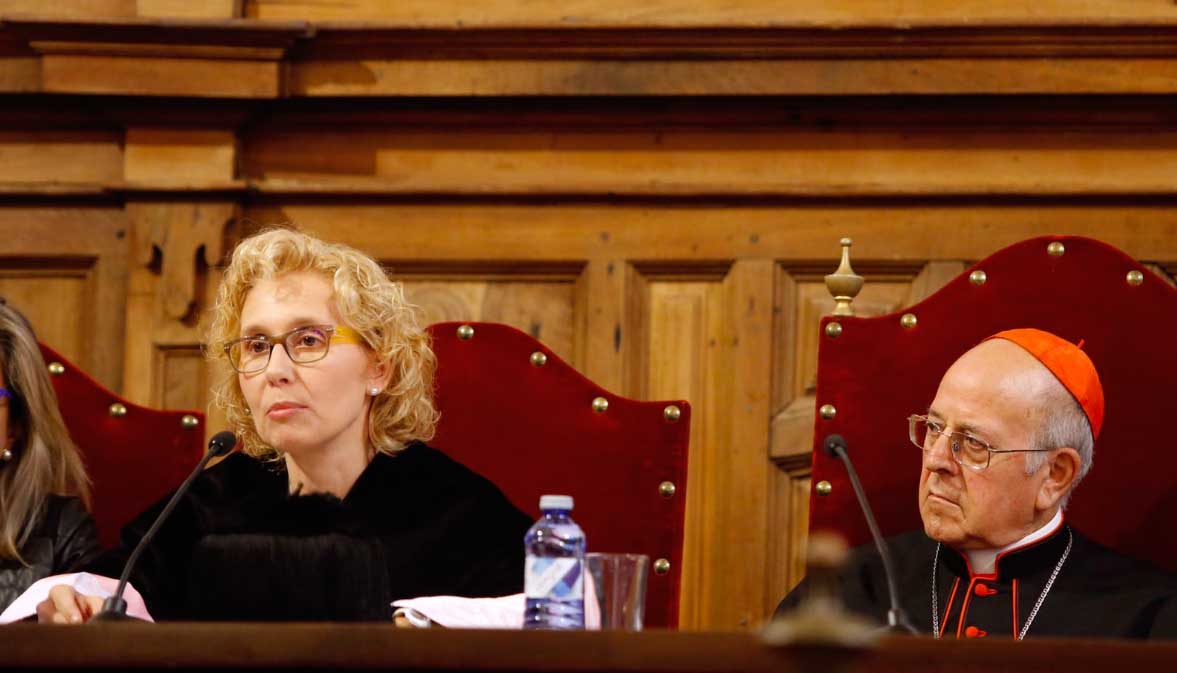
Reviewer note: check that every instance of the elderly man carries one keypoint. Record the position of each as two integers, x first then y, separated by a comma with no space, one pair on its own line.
1009,435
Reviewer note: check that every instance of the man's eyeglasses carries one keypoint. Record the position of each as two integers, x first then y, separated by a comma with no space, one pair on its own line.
969,451
303,345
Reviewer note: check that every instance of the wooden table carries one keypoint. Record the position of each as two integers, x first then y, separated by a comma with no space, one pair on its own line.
373,646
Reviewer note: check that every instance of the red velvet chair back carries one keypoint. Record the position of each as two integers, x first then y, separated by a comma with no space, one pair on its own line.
877,372
522,417
134,455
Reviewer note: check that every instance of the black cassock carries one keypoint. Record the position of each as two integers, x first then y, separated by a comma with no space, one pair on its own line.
240,547
1096,592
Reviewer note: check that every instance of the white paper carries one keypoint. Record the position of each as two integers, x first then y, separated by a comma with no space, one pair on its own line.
456,612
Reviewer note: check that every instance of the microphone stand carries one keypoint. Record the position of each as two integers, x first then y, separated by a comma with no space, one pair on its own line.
114,608
897,620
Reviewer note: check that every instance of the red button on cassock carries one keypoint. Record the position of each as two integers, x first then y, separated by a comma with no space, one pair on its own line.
974,632
984,590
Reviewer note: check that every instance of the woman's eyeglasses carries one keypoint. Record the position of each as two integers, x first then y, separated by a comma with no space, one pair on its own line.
303,345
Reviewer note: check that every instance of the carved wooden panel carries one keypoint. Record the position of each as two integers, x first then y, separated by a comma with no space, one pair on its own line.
65,268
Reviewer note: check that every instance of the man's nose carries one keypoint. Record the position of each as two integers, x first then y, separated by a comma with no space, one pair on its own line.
938,457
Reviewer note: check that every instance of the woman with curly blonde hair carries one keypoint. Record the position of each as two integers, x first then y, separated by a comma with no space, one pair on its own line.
336,506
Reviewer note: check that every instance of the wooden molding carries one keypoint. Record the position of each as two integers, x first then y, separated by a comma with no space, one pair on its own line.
255,59
942,39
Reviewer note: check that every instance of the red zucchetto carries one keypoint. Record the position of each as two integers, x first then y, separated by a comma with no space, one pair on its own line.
1069,364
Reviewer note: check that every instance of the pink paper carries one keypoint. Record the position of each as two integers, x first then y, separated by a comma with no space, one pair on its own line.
84,583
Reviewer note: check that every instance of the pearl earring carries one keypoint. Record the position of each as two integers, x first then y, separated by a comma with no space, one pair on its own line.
6,455
373,391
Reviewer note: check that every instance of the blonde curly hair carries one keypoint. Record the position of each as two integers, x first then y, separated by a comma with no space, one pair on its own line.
369,303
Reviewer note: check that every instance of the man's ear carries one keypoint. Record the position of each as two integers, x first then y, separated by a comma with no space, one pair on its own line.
1062,467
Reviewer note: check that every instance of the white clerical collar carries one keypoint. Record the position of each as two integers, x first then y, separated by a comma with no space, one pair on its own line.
982,561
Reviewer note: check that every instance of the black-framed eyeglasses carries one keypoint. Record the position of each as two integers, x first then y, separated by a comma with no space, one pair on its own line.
303,345
967,450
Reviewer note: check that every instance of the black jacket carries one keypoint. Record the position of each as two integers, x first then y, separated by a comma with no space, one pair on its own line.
239,547
63,538
1097,592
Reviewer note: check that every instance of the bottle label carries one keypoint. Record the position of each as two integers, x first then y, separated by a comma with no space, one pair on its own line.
553,577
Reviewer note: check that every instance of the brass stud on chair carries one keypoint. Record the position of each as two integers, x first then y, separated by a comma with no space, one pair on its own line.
661,566
118,410
666,489
833,329
188,422
672,413
56,368
908,320
465,332
1056,249
827,412
1135,277
539,359
824,488
978,277
600,404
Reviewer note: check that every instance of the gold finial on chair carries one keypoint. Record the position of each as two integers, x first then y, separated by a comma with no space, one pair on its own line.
844,284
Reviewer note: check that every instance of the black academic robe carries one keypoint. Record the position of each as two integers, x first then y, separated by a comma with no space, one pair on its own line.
239,547
1097,592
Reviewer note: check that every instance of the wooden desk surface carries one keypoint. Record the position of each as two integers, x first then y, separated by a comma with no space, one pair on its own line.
374,646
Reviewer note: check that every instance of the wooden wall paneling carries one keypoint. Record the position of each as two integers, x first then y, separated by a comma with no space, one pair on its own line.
739,556
683,328
147,76
541,306
507,13
788,231
707,339
65,269
735,77
73,9
180,158
606,329
56,156
773,161
207,9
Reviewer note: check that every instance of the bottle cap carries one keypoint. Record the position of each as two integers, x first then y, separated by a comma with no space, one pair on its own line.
547,502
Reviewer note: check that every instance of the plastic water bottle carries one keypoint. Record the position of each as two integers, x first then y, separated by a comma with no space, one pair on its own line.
553,572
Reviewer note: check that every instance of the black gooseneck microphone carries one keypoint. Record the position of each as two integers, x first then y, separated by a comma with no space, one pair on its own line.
114,609
897,619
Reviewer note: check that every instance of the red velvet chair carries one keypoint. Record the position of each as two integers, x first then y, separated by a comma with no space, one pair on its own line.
877,371
528,421
134,455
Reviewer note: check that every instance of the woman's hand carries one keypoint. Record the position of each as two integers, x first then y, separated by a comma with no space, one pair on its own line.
67,606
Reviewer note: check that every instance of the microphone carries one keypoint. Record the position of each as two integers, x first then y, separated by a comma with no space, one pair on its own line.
897,619
114,609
